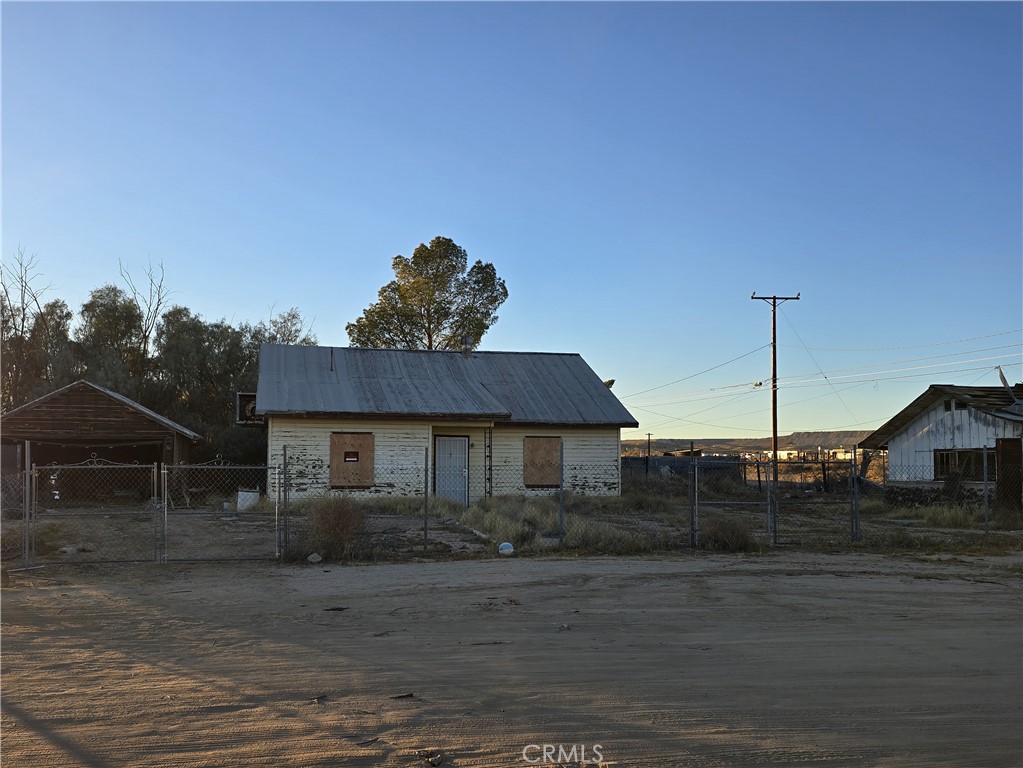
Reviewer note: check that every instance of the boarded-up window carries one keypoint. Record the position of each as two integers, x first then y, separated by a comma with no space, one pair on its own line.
351,460
541,462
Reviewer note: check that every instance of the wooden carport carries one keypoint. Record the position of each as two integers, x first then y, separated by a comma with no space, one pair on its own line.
84,420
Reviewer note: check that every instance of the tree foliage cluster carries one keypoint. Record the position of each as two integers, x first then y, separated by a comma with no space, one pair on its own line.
436,301
134,341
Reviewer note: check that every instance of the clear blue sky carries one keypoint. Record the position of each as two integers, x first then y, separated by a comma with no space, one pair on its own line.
634,172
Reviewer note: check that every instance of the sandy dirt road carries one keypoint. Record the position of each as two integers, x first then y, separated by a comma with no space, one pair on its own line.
784,659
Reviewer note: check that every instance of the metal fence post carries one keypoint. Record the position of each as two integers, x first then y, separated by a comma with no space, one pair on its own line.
561,492
854,490
165,506
286,492
987,506
155,504
694,517
277,510
426,497
27,516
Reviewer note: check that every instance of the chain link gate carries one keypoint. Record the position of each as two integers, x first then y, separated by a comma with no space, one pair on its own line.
221,511
99,511
92,512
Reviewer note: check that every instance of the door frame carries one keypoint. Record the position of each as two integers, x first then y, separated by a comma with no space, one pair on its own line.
436,454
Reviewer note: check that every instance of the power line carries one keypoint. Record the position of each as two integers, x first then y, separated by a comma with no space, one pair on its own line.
909,346
871,374
955,373
694,375
900,362
951,372
844,405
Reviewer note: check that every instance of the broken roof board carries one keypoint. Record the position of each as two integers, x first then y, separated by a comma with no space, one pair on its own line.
515,387
995,401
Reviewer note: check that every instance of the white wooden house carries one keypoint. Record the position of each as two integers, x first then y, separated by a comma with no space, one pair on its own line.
945,430
462,425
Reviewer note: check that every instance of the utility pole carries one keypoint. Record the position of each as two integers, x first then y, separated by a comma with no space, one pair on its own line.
648,453
774,300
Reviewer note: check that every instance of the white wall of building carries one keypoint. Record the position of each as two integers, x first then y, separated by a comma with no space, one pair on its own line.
592,456
911,451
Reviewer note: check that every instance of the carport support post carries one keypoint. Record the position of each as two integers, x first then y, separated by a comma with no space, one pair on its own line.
27,502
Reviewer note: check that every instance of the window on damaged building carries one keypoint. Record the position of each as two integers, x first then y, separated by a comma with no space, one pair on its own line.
968,464
351,460
541,462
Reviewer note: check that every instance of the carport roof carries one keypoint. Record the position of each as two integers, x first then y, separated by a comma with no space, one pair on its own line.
66,420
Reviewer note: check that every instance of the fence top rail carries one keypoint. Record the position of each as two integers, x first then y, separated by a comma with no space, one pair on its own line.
219,465
93,463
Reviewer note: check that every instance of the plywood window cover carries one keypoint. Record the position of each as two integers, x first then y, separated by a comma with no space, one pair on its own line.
541,462
352,462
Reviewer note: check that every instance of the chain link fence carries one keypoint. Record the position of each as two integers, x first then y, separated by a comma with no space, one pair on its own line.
99,511
732,502
93,511
829,503
974,496
220,511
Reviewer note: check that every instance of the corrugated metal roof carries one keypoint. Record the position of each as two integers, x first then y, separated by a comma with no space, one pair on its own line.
995,401
516,387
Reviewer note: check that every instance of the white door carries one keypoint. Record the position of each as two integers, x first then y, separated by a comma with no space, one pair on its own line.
451,464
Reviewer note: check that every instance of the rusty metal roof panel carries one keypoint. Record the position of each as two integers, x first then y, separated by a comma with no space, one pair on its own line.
518,387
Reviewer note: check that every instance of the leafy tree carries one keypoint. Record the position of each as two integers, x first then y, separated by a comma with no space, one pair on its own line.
34,343
109,340
202,365
170,360
51,337
433,302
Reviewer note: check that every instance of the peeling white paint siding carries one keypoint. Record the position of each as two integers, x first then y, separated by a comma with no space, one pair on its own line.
912,450
399,449
592,456
592,461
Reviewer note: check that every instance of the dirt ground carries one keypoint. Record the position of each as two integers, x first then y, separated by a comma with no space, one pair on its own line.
780,659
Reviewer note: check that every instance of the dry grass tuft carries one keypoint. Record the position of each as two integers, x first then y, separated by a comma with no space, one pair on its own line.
332,525
728,534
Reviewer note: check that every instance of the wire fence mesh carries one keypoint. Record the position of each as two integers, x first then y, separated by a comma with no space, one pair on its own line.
220,511
94,511
101,512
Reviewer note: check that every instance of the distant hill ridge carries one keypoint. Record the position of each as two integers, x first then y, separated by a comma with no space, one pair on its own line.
797,441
